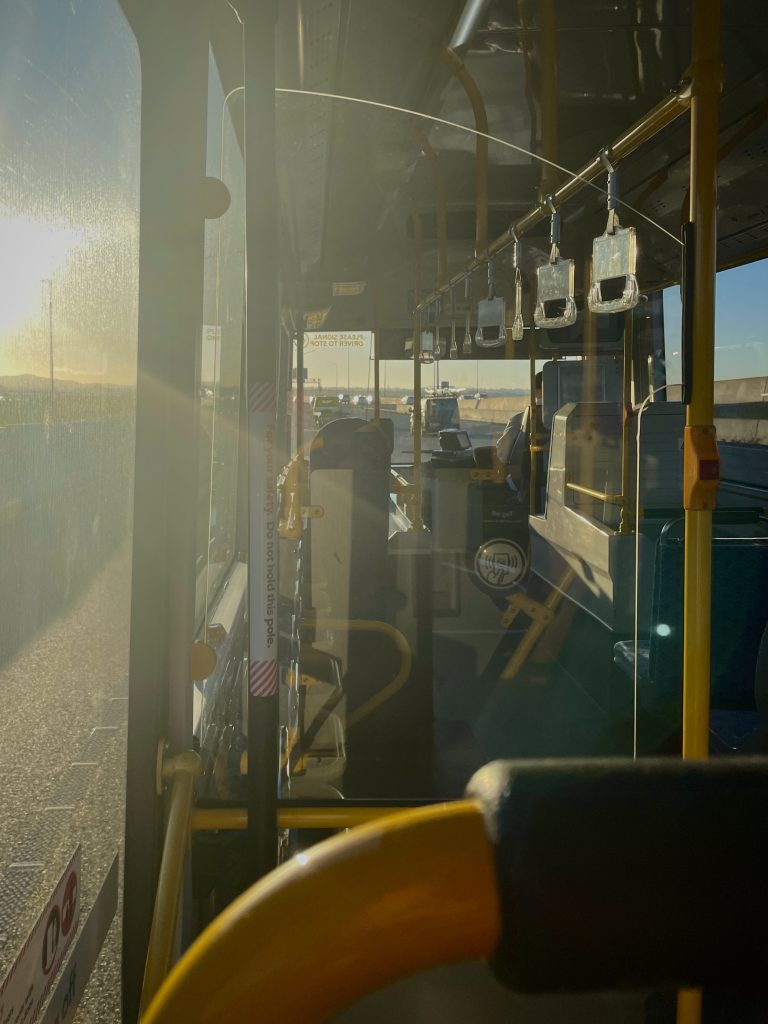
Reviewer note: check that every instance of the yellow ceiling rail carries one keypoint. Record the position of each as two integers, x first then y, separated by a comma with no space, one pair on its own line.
456,66
440,208
371,906
549,112
663,114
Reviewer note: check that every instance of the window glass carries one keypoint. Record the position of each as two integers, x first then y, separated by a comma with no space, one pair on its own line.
69,219
463,607
741,345
739,536
221,345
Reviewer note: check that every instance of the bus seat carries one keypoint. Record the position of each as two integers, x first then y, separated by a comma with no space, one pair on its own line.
739,614
661,455
349,480
564,381
580,530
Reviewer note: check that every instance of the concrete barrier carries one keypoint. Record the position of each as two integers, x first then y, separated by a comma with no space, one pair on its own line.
496,410
493,409
741,409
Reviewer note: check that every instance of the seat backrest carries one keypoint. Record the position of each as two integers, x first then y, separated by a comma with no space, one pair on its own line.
349,477
661,455
564,381
739,614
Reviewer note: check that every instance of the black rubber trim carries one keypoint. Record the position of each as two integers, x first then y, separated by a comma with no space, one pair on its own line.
617,874
687,284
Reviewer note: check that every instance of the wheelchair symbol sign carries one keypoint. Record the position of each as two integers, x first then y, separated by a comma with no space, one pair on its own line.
500,563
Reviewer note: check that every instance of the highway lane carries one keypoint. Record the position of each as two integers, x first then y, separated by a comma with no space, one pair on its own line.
480,433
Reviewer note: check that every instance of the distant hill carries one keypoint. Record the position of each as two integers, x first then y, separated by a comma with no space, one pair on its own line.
31,382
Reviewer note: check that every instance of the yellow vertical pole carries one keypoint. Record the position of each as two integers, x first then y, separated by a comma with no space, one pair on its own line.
626,523
699,444
549,112
549,147
416,506
376,357
590,371
533,427
455,64
416,514
705,108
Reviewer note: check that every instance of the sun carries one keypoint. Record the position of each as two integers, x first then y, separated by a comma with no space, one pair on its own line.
31,252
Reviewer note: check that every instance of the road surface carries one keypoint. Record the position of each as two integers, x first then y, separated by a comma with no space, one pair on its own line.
480,433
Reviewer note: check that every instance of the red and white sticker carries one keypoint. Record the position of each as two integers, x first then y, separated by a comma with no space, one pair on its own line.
28,982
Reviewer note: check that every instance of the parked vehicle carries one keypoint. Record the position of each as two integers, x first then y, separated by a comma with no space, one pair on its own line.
326,408
438,412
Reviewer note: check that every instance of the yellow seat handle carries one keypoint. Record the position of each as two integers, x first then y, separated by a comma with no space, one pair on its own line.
352,914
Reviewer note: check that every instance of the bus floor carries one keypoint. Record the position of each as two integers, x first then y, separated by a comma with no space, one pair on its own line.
468,992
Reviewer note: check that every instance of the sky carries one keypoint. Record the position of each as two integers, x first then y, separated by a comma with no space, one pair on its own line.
741,324
344,362
69,146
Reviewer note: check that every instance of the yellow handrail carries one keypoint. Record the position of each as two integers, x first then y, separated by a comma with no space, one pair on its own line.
236,818
456,66
182,770
663,114
540,614
612,499
397,638
363,909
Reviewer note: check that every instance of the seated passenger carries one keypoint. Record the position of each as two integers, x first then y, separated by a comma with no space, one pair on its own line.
513,447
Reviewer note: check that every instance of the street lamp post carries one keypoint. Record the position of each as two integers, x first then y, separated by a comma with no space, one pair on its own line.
49,282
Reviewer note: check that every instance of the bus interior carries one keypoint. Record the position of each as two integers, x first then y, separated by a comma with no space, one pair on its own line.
317,698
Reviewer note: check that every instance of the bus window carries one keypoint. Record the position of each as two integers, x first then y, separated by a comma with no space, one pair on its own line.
69,221
221,350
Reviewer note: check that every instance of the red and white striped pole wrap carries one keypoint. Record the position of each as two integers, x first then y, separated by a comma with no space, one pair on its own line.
262,577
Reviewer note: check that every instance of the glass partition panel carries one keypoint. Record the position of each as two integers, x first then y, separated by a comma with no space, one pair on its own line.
222,345
219,724
457,574
69,220
739,549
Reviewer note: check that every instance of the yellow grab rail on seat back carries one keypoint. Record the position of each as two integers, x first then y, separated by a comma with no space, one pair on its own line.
344,918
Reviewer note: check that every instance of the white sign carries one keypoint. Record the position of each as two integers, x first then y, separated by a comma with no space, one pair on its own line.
336,339
210,366
348,288
74,978
26,986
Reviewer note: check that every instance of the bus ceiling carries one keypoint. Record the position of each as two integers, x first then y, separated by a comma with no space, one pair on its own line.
350,198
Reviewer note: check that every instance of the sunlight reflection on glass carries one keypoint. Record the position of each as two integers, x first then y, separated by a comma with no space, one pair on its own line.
30,252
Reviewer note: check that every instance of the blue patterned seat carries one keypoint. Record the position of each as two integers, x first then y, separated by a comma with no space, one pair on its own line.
739,615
